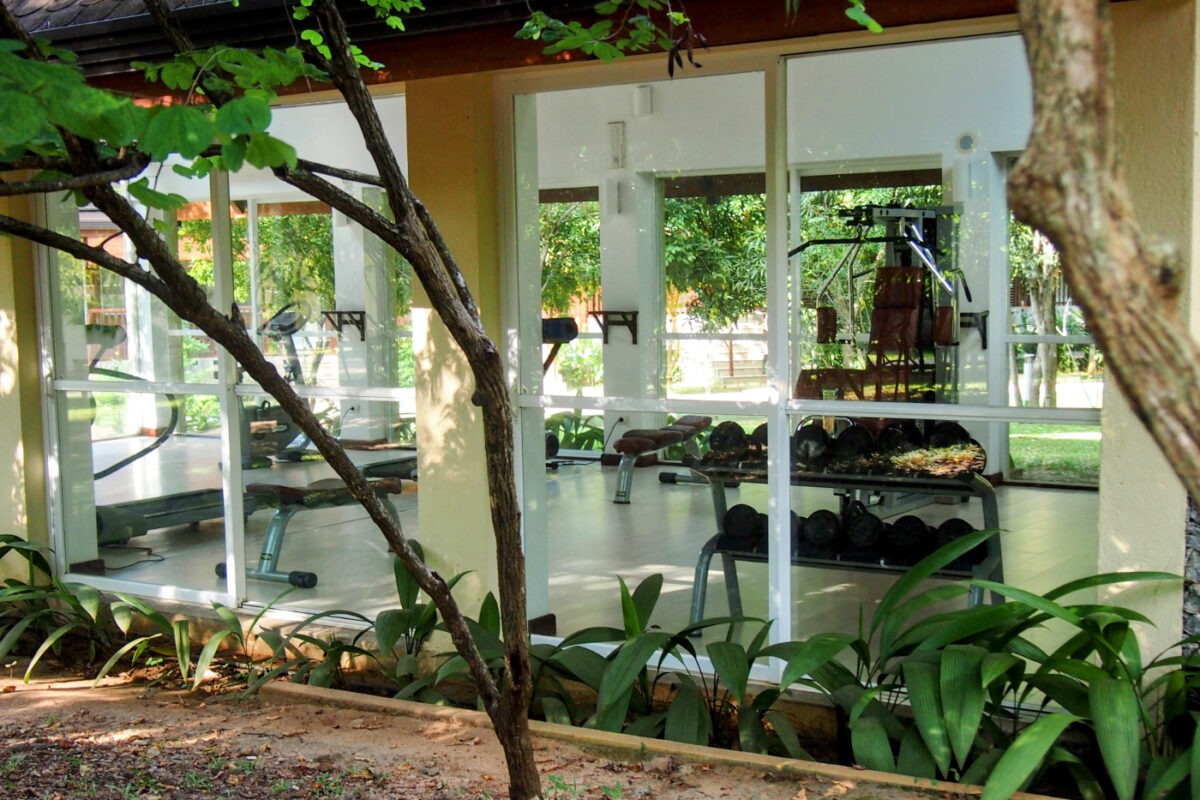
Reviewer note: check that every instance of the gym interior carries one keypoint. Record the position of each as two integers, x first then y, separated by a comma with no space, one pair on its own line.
722,294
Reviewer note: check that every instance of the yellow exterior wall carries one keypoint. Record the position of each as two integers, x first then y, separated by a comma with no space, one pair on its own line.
1142,504
22,500
452,168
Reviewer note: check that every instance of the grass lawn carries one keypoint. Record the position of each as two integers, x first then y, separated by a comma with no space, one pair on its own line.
1055,453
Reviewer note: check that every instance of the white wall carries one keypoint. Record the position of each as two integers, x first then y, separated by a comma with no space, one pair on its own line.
324,132
708,124
907,101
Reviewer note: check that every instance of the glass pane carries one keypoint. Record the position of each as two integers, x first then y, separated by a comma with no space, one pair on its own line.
328,301
642,247
302,526
151,468
716,283
108,328
1058,454
910,284
1055,363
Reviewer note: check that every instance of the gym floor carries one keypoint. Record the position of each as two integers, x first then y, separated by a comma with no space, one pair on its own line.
1049,537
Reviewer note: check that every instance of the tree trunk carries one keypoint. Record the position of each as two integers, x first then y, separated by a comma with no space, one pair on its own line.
414,235
1067,184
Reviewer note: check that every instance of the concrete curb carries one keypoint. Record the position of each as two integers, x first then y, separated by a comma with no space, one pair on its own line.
620,744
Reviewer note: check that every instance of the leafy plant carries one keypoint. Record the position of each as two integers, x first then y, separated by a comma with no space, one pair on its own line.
45,613
576,431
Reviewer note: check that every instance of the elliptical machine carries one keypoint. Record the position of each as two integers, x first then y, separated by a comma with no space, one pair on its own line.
268,432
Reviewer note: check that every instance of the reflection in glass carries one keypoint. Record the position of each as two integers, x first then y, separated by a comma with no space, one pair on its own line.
716,284
1055,363
156,509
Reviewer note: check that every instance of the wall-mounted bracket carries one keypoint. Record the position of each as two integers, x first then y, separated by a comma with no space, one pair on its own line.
339,319
623,319
977,320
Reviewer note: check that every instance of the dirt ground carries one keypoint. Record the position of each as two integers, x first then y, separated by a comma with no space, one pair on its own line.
65,739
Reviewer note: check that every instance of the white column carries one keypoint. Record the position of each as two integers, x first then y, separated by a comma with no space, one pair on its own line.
363,283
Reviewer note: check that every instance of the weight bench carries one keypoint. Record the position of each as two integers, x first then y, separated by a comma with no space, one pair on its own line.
640,442
291,500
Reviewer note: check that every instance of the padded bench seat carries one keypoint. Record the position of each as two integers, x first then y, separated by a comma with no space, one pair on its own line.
290,500
639,442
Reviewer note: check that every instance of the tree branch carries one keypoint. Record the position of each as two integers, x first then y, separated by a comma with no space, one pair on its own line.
74,247
354,176
134,167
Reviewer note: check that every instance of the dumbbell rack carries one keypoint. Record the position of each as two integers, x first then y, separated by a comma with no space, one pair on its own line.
967,485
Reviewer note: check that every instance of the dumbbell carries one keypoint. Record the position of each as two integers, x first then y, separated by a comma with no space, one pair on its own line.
822,528
899,437
742,528
854,442
909,537
758,438
956,528
810,445
863,529
728,437
948,434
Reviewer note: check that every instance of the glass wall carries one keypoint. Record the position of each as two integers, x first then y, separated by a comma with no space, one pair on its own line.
143,438
881,338
649,240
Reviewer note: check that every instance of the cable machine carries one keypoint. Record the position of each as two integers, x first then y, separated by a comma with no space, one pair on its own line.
914,308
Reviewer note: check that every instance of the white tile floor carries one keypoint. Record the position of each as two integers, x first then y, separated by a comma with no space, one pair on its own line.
1049,537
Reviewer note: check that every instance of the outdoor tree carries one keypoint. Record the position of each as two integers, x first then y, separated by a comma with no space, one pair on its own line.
1067,184
57,134
1034,267
64,135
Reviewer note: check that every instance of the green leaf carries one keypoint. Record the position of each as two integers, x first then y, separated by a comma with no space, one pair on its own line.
140,190
48,643
858,14
1166,773
390,627
1195,762
687,717
645,598
915,758
243,115
729,660
922,682
89,600
1025,755
871,746
995,665
1114,711
21,118
752,738
406,585
629,612
206,656
177,129
804,657
586,666
922,570
963,697
117,656
787,735
628,663
265,151
554,710
650,726
1107,578
489,614
183,646
977,774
